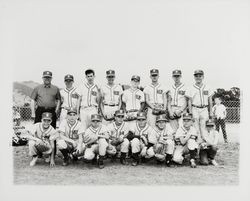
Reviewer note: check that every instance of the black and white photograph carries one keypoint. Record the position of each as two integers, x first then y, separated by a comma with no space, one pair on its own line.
139,95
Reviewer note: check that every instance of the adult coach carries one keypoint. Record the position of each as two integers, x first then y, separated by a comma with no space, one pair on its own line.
45,98
110,97
155,97
200,101
89,97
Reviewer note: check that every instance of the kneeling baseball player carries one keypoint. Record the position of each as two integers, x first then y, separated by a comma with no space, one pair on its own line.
143,138
95,139
164,148
117,130
186,141
70,141
208,147
41,138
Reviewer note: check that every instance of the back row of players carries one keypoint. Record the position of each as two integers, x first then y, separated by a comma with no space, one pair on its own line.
112,121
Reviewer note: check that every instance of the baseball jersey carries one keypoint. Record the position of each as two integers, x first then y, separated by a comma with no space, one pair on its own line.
212,137
219,111
165,134
182,132
199,95
89,94
38,131
71,131
112,94
92,134
115,131
133,98
177,95
155,93
147,132
68,97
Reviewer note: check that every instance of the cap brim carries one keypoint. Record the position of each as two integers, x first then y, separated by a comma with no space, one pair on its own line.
134,79
68,80
47,76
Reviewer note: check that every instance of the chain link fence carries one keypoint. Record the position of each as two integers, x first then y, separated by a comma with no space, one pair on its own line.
22,114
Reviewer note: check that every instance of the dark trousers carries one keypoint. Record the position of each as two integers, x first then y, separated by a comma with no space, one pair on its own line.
206,154
41,110
221,123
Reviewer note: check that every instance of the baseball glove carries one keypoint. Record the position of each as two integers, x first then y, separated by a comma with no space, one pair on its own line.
115,142
42,147
156,111
130,136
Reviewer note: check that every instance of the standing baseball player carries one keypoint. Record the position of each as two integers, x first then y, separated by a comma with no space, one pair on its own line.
186,141
96,141
45,98
68,96
117,132
110,97
133,100
88,100
70,141
156,98
164,148
219,114
143,138
208,147
200,102
41,138
177,101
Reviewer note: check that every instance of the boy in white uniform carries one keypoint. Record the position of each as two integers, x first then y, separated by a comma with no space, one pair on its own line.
68,96
133,100
186,141
89,97
41,138
164,148
155,97
110,97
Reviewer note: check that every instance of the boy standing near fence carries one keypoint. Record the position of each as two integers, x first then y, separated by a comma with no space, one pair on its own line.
220,113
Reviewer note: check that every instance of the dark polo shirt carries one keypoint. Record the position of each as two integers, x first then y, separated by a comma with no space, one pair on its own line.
46,96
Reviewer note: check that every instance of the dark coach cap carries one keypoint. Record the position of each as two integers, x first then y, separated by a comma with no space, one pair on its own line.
176,72
136,78
47,115
110,73
69,77
154,71
47,74
187,116
198,72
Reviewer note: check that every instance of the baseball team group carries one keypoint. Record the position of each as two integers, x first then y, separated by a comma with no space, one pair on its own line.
101,122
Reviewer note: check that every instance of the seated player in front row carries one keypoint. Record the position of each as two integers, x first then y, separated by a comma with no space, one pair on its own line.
143,138
41,139
117,131
208,147
186,141
70,141
164,148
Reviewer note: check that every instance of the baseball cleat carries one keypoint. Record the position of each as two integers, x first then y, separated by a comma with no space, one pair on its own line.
33,161
65,162
47,159
101,164
134,163
123,161
192,163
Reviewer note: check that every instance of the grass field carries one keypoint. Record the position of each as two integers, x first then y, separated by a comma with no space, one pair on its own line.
144,174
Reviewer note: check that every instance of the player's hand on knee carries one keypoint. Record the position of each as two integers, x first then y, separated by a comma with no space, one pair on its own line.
52,163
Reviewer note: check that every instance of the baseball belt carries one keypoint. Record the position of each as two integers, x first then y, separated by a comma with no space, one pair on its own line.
200,106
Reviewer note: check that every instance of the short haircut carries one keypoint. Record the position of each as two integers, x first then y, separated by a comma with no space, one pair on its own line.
89,71
219,97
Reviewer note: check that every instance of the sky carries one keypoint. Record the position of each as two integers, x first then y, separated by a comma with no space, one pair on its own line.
131,37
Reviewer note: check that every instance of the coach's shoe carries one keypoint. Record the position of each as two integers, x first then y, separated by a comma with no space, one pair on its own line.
33,161
214,163
100,162
192,163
